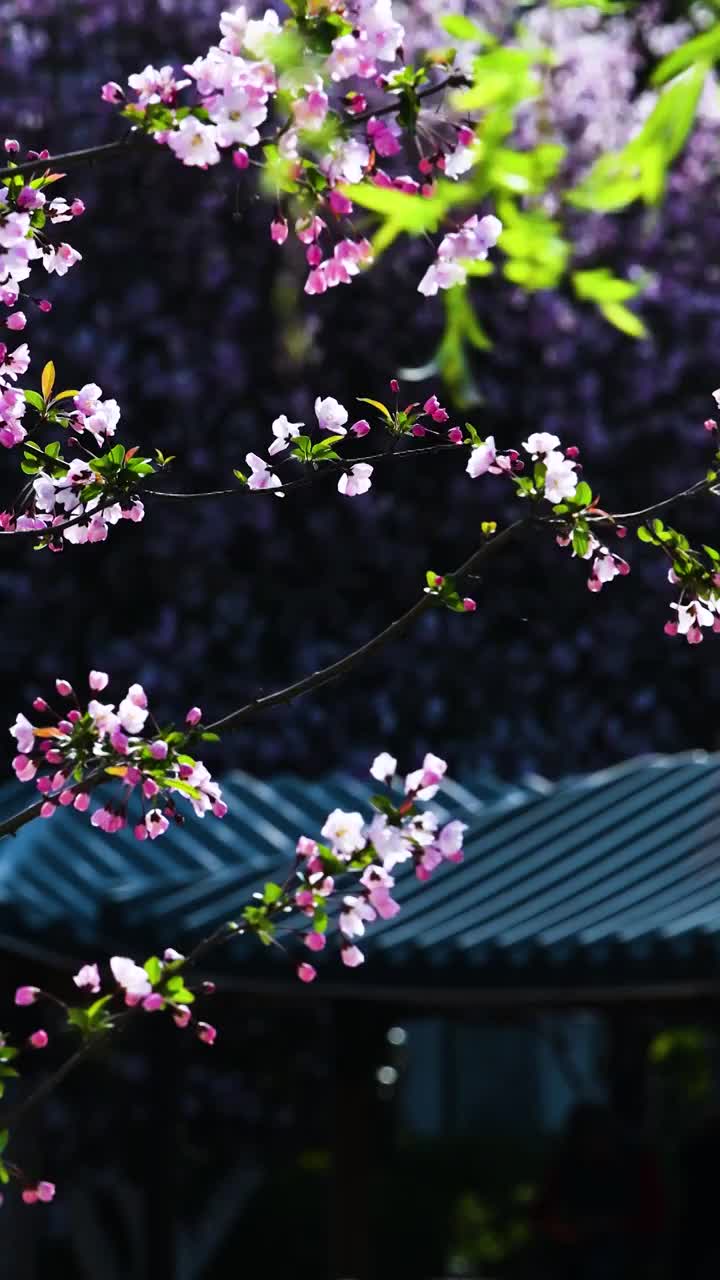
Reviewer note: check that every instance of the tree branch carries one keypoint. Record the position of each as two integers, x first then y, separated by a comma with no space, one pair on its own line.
70,159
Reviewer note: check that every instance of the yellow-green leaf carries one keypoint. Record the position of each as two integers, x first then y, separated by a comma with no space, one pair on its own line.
47,381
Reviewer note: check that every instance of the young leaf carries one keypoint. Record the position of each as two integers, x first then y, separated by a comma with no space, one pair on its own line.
47,380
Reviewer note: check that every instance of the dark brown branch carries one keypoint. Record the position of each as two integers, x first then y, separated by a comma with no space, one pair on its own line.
335,669
70,159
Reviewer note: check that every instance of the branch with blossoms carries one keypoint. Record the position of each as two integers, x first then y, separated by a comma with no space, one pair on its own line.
338,886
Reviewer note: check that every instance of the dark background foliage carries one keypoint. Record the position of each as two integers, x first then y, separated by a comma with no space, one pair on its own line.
185,312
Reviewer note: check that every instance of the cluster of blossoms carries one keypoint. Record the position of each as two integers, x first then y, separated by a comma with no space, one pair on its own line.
25,215
315,897
326,137
400,832
79,749
471,243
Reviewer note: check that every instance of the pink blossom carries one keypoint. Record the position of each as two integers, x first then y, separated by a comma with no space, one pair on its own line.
424,782
383,767
469,605
25,769
284,431
38,1039
361,427
352,956
131,978
156,823
340,204
194,716
59,260
26,995
16,321
88,978
316,282
181,1016
206,1032
344,831
98,680
112,92
12,146
159,749
279,230
356,911
195,143
45,1191
331,415
240,158
24,734
356,481
384,136
306,848
261,477
81,801
306,972
482,458
47,810
315,941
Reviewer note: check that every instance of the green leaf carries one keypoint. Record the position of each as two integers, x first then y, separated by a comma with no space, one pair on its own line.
583,494
116,454
702,48
384,805
207,736
153,968
461,28
47,380
645,535
4,1175
4,1138
711,552
179,784
600,285
376,405
272,893
35,399
624,319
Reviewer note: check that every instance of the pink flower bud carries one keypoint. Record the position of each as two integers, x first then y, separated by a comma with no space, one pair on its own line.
150,788
315,941
47,809
132,776
305,847
219,808
53,756
140,831
340,204
594,584
360,428
112,92
194,716
419,429
81,801
44,785
98,680
181,1016
16,321
185,772
45,1191
279,230
670,628
77,207
394,385
241,159
206,1033
64,688
153,1002
39,704
12,146
469,605
66,797
351,956
710,424
572,451
38,1039
455,435
65,726
425,166
26,995
30,1196
45,305
314,255
209,988
355,103
306,972
465,136
621,531
159,749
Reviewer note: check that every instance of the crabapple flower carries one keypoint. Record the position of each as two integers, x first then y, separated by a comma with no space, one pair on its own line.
331,415
284,431
156,824
540,443
88,978
383,767
356,481
353,916
131,978
279,230
424,783
206,1032
38,1039
194,716
560,478
260,475
98,680
344,831
59,260
24,734
471,243
352,956
306,972
481,458
195,143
